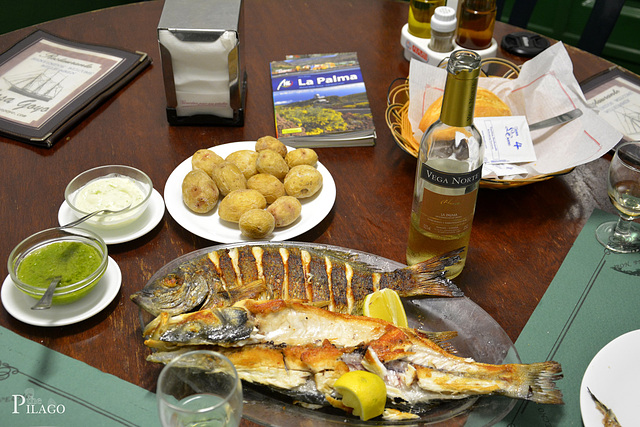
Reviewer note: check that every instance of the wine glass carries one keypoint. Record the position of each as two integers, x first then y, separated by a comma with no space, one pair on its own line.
623,235
197,389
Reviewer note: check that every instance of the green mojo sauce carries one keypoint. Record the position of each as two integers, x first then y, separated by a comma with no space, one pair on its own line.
73,261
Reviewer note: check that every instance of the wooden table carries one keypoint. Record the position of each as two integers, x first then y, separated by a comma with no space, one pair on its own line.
520,236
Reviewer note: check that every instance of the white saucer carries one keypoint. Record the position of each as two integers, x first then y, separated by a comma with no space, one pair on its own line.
613,376
19,305
141,226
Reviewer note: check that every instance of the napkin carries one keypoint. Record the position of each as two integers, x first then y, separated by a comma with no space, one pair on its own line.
201,73
592,300
546,87
41,387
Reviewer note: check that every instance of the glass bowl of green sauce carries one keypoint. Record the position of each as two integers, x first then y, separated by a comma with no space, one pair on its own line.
77,255
113,187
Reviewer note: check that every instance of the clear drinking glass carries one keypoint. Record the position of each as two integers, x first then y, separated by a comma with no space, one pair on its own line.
624,191
198,389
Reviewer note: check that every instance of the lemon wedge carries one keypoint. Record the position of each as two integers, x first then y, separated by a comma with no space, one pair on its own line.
385,304
363,391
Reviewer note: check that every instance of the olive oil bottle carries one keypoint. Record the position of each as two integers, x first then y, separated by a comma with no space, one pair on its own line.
420,13
449,170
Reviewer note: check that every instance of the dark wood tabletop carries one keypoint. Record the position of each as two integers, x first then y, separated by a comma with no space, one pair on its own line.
520,236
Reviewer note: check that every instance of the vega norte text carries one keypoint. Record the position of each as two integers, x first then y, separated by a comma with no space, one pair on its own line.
34,406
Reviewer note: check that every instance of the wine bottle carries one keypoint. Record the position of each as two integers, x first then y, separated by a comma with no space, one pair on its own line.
449,170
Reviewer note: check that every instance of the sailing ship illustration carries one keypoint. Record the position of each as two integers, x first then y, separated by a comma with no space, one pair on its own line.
41,85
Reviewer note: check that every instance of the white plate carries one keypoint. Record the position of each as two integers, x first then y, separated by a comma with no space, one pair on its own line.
613,377
141,226
210,226
19,305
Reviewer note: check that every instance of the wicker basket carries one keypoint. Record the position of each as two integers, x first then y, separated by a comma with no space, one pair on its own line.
397,116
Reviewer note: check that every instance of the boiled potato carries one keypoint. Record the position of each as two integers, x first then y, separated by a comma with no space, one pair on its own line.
271,143
285,210
272,163
302,181
301,156
268,185
206,160
245,160
228,177
256,223
199,192
238,202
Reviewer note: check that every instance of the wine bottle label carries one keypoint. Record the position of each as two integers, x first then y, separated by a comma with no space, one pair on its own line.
446,215
450,180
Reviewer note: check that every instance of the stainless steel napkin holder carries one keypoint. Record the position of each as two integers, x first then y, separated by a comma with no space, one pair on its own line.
200,49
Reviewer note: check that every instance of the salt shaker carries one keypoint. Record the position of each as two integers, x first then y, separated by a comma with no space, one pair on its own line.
443,28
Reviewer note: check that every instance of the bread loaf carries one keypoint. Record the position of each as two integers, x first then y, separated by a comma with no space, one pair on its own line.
487,105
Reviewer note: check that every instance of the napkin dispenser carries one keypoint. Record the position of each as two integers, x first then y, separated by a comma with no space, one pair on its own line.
202,65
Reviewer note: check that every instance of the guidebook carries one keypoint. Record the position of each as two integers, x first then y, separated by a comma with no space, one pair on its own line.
321,101
48,84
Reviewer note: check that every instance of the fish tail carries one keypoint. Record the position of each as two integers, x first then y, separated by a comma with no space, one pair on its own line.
540,379
429,277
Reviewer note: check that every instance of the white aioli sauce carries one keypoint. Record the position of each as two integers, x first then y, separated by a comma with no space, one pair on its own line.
109,193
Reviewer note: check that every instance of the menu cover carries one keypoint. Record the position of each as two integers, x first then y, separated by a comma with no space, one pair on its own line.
321,101
48,84
615,95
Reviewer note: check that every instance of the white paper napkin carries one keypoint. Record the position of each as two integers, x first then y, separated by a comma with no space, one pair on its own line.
546,87
201,74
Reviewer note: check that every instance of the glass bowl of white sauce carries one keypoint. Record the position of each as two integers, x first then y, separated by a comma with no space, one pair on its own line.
112,187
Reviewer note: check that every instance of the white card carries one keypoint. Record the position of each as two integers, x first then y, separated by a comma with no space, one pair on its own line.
506,139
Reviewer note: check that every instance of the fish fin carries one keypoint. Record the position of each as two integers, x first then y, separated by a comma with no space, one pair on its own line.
439,338
251,290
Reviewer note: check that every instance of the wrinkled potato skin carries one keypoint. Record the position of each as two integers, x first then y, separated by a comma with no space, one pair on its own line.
268,185
285,210
199,192
206,160
238,202
271,143
301,156
272,163
245,160
228,177
256,223
303,181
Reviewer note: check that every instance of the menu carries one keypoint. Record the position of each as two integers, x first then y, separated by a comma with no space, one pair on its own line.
592,300
40,387
48,84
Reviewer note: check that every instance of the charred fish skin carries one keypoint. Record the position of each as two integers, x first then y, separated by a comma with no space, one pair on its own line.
324,344
335,280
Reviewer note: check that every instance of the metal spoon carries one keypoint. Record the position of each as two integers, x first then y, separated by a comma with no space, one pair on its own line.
86,217
47,297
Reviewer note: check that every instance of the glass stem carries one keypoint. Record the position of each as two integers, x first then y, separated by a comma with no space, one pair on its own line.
623,228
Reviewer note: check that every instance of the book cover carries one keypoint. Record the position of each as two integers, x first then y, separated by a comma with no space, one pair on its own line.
321,101
48,84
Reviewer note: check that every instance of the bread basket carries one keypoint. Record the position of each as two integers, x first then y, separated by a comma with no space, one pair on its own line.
398,119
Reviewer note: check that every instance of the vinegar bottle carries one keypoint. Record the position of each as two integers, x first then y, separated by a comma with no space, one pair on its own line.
449,170
476,19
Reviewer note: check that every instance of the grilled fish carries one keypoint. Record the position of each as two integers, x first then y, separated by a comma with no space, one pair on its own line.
330,279
300,350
